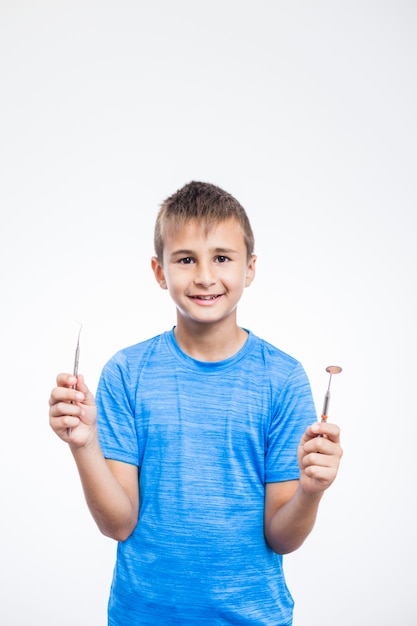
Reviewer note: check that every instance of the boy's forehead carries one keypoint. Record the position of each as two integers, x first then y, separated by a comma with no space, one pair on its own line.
194,227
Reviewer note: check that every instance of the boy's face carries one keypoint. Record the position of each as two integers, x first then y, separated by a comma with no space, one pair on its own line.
204,271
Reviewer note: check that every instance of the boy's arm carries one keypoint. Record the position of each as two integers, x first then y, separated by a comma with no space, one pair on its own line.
111,487
291,507
111,491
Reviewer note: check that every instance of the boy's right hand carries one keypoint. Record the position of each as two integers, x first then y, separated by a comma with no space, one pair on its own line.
72,412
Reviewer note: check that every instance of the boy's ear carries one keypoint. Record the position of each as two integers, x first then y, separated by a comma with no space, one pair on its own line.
250,272
158,271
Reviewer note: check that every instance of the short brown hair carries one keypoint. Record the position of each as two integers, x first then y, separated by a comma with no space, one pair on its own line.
206,203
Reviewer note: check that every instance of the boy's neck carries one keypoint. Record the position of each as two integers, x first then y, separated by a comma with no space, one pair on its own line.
206,342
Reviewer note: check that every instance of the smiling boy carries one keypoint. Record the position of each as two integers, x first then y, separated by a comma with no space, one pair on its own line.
204,461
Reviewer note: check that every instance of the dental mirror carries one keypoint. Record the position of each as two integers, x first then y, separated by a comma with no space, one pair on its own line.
332,370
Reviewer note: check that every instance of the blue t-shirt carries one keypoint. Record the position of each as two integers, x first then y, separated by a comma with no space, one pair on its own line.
206,437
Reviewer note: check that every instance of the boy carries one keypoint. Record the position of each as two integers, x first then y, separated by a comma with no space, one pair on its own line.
205,463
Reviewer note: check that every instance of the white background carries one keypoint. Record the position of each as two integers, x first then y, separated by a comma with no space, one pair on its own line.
306,112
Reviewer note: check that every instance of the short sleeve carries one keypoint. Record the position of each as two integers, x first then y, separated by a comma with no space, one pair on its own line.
115,412
294,411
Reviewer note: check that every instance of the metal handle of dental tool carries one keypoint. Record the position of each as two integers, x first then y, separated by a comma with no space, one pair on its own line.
76,361
331,369
77,354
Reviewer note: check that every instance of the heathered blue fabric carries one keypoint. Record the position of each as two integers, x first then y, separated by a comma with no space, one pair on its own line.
206,438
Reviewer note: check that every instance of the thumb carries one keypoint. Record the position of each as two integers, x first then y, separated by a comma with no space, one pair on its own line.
81,386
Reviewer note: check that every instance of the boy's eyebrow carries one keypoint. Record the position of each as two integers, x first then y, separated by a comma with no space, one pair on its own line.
225,251
213,251
182,253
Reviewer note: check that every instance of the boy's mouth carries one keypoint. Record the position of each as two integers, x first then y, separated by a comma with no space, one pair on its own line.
208,297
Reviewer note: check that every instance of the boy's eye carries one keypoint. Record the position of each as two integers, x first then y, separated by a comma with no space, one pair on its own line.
222,259
186,260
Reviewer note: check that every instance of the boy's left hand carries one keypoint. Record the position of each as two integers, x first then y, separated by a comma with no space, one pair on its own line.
319,457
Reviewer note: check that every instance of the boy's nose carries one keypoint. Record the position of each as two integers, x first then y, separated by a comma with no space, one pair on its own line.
204,276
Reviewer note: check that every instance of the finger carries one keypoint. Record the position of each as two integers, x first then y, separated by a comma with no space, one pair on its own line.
318,459
66,380
81,386
321,454
67,414
64,416
66,425
325,474
65,401
324,429
322,445
65,394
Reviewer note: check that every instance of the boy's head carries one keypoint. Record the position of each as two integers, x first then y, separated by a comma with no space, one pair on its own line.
205,203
